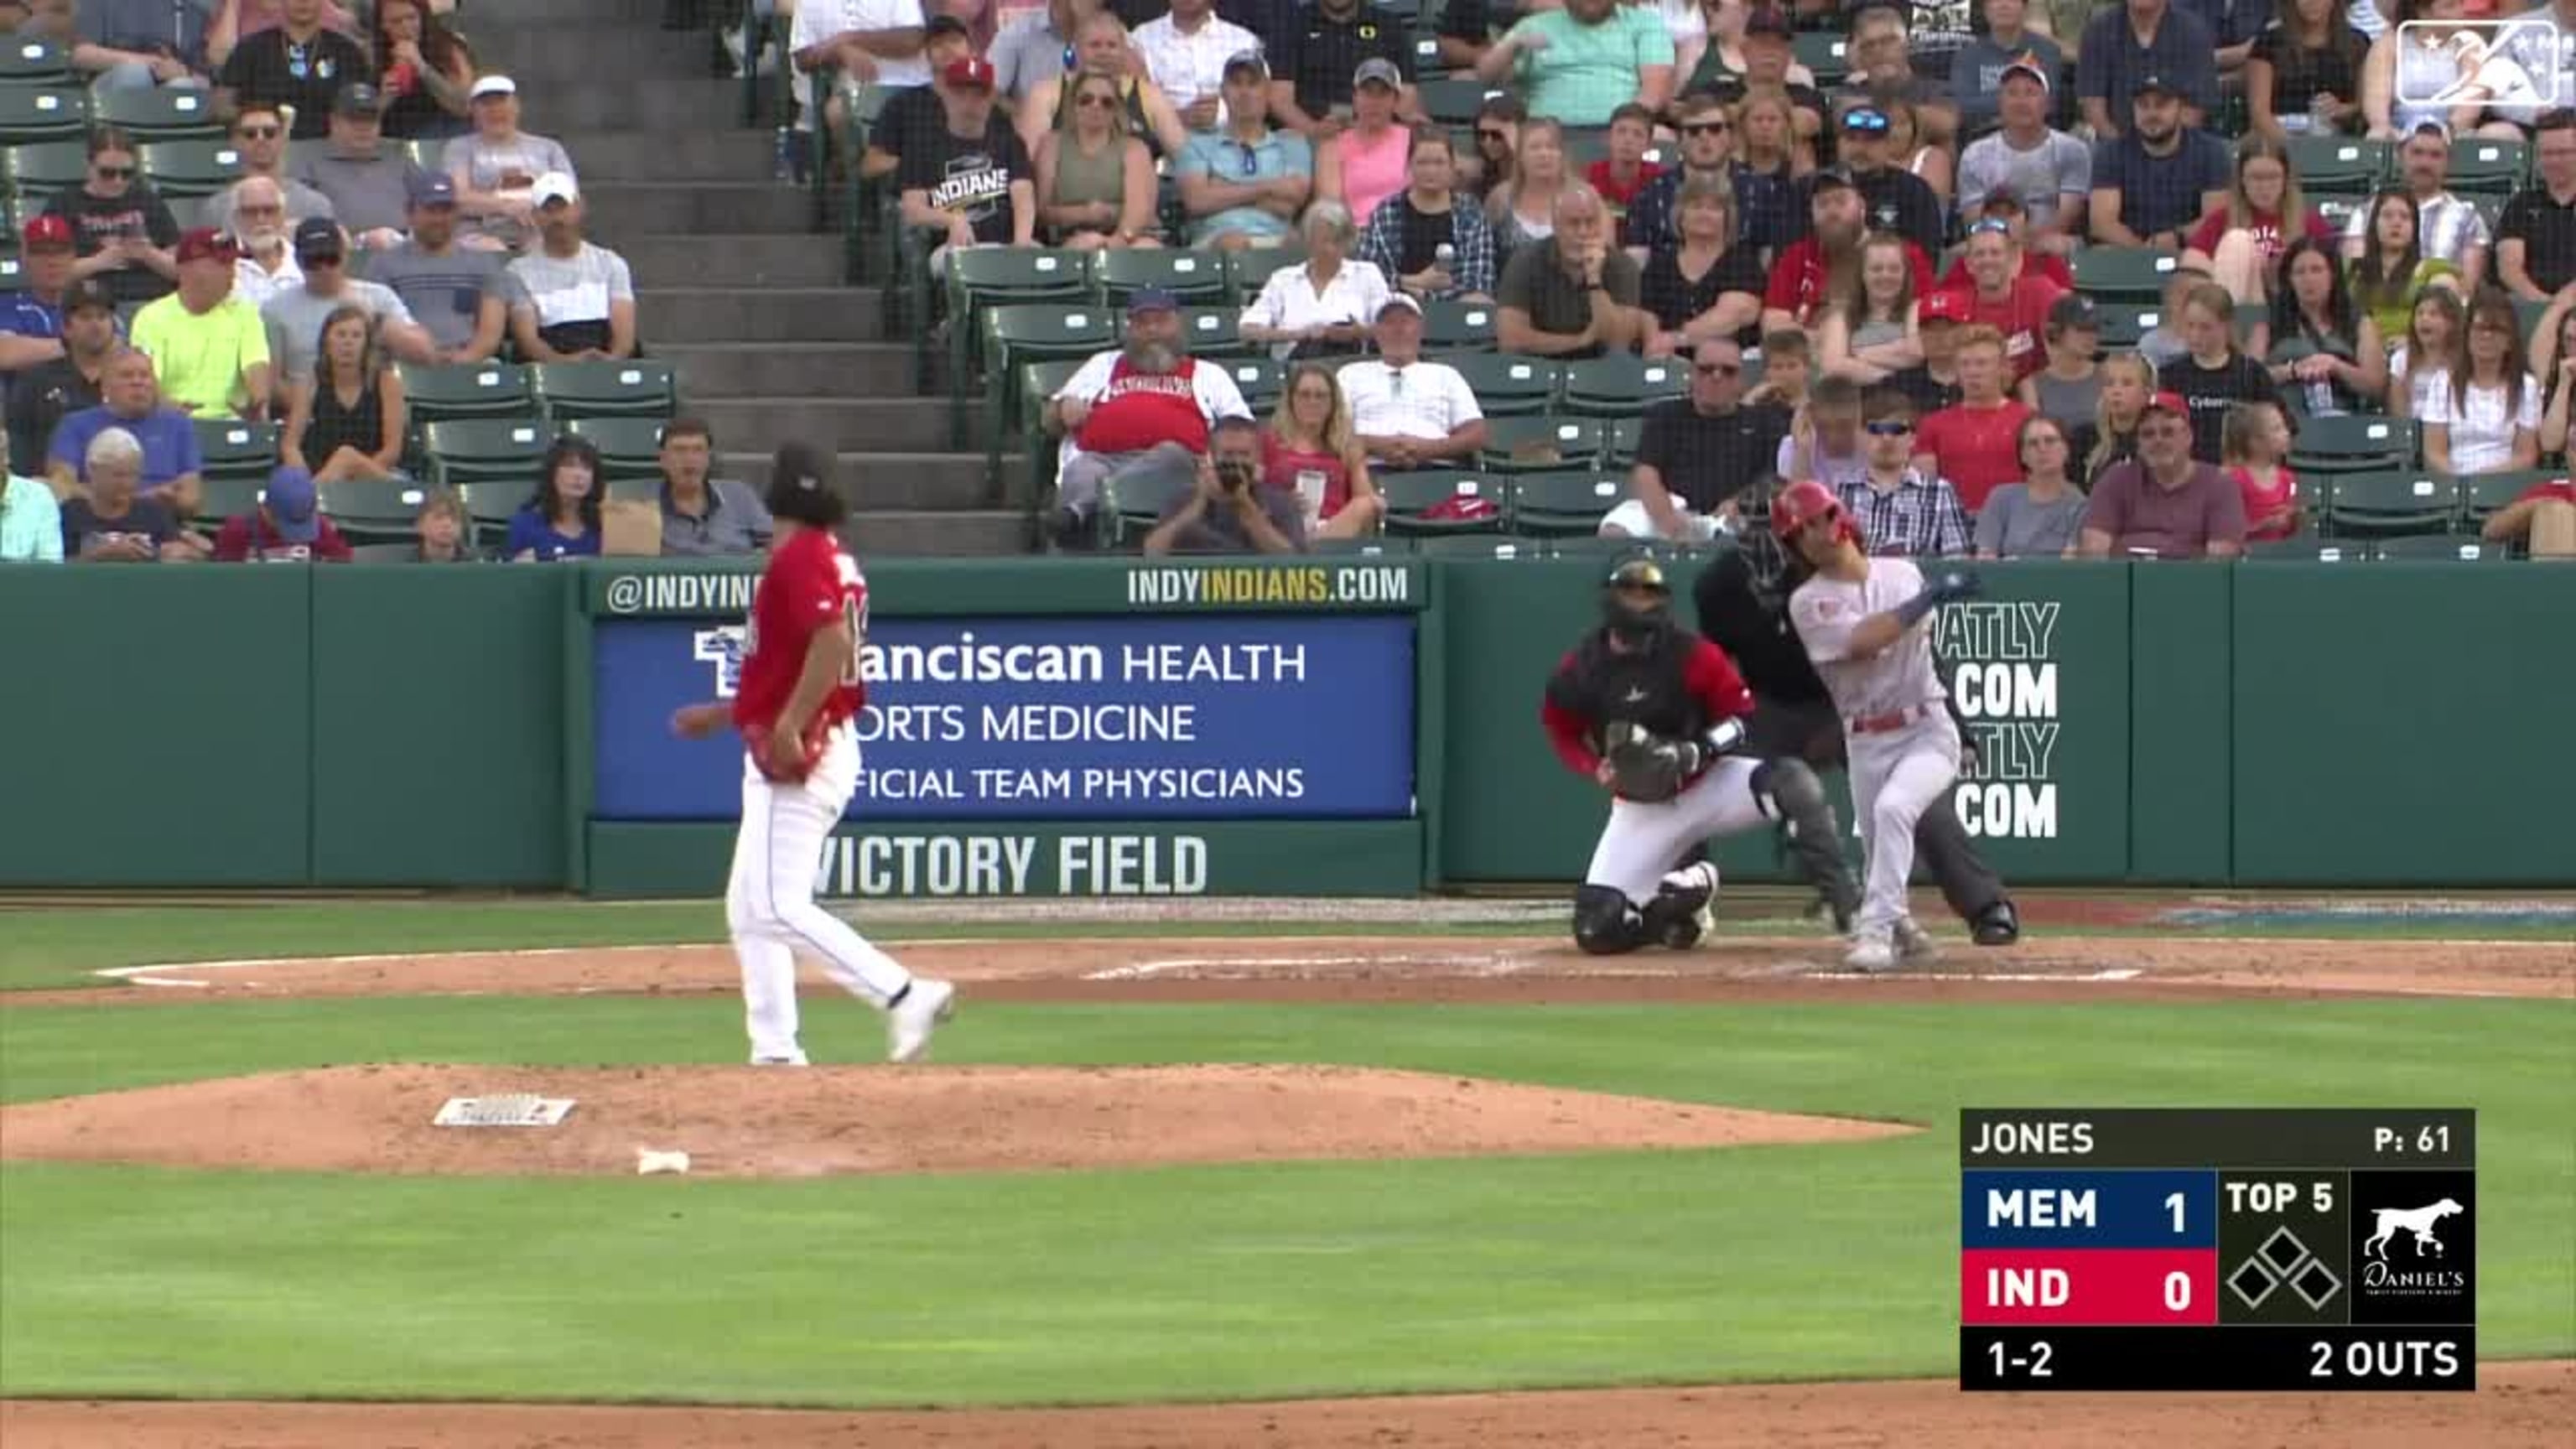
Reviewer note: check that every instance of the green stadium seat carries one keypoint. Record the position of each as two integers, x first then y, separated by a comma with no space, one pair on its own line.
29,61
466,451
491,501
1018,334
984,278
1380,547
1618,387
38,169
1483,545
2482,495
1036,382
627,388
2123,323
1411,495
2484,166
234,448
2333,165
436,394
629,447
1259,380
160,114
1619,444
2386,504
1130,508
224,496
1508,385
428,155
2307,548
1826,53
1539,444
39,113
1247,271
1192,276
1211,332
2353,443
190,168
2124,274
374,509
1458,327
1453,101
2440,547
2337,211
1571,501
2527,312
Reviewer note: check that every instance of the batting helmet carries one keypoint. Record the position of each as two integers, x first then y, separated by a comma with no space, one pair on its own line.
1802,503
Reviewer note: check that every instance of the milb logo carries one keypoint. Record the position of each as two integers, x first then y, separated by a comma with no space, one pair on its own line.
2520,67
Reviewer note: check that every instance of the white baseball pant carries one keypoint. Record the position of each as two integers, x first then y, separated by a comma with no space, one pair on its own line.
769,905
1644,840
1895,776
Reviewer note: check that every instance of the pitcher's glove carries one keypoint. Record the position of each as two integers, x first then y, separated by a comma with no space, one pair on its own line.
1647,767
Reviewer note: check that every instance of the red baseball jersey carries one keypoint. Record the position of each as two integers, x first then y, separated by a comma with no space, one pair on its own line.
810,582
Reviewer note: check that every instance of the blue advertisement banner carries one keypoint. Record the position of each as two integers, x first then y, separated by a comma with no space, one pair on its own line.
1143,717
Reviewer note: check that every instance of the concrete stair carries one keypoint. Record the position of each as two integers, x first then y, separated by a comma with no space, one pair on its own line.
734,288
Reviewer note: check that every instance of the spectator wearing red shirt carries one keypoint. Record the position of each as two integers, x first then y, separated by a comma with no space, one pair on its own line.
2036,261
2239,242
2000,295
2253,450
1623,173
286,526
1975,443
1801,280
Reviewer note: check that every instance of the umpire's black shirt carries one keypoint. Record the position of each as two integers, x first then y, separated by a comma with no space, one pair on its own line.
1758,638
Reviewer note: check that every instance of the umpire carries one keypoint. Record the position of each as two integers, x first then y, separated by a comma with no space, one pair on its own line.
1742,609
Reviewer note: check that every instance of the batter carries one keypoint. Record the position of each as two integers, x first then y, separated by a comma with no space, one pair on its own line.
800,690
1656,716
1863,621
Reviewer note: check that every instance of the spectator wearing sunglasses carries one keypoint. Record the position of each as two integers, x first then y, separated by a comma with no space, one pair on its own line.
259,134
301,63
1696,454
1498,135
1243,186
2003,295
123,228
1892,199
2005,208
1653,219
1899,509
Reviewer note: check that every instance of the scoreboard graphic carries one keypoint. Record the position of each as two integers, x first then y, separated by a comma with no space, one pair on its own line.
2198,1249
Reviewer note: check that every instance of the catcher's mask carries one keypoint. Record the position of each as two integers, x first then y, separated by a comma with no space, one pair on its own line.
1637,602
1802,503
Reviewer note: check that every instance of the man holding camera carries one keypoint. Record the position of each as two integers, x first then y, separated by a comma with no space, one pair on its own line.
1228,511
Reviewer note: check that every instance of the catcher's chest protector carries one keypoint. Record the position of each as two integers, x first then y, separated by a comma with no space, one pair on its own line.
1641,689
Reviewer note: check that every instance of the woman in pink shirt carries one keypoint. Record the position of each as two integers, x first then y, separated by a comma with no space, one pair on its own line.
2238,243
1309,450
1364,163
2255,440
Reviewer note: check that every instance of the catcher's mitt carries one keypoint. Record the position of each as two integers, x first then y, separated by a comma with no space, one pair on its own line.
1646,767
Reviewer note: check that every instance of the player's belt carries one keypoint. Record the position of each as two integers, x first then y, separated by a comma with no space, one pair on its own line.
1879,724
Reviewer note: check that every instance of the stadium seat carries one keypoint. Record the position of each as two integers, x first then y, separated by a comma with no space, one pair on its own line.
1483,545
628,388
2307,548
1458,327
374,509
1619,386
466,451
2353,443
1381,547
629,447
233,448
33,113
987,277
2124,274
465,390
1539,444
222,497
490,502
1824,52
2441,547
1410,495
1247,271
190,167
2483,495
27,62
2389,504
1619,444
2485,166
1508,385
1211,332
1015,336
429,154
163,113
1452,102
39,169
1193,276
1130,508
1572,501
1259,380
2123,323
2527,312
2338,165
1036,382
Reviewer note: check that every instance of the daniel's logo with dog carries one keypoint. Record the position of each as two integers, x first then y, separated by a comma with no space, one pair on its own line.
2415,1245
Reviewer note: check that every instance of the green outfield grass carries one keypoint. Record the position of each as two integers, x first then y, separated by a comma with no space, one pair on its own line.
1218,1282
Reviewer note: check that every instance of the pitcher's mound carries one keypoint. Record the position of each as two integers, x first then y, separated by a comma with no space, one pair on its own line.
768,1122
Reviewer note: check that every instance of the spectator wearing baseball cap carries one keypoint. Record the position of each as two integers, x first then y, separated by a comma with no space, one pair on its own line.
459,295
1244,185
31,319
1363,163
41,396
2128,47
285,526
969,182
207,345
1585,59
295,315
122,226
1409,412
1186,52
1318,54
367,178
1135,418
1978,67
575,300
496,168
910,113
1892,198
301,63
2152,182
2165,503
2068,386
2047,173
1933,383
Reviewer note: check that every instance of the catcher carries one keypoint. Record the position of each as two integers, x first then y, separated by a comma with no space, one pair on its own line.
1657,716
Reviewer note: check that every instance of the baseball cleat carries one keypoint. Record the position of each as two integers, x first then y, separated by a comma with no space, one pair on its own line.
910,1021
797,1060
1997,925
1682,900
1915,943
1872,954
